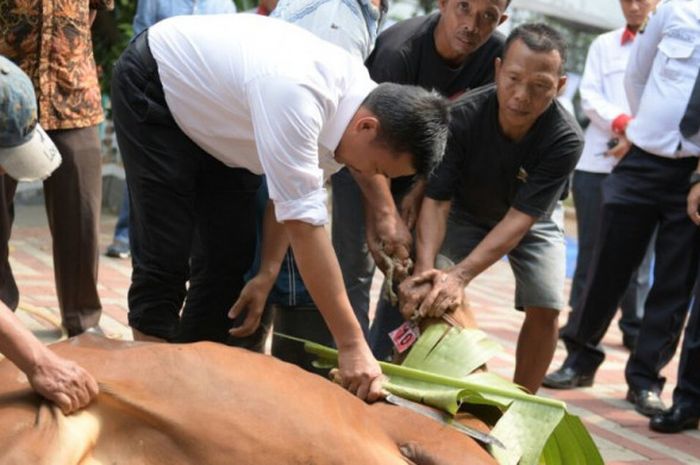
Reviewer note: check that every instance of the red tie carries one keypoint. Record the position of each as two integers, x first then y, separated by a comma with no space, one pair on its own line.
628,35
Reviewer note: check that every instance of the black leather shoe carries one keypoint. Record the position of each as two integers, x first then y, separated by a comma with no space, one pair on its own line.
567,378
646,402
675,420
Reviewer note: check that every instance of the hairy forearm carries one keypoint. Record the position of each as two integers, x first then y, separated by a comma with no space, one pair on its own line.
430,232
376,193
319,267
18,344
503,238
274,244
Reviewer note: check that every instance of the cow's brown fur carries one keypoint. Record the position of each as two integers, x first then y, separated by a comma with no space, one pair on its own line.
208,404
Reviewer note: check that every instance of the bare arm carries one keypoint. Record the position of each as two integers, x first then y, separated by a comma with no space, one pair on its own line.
55,378
694,201
430,232
254,295
412,202
386,231
448,285
359,371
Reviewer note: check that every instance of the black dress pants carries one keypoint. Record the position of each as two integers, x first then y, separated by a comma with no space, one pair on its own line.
687,392
191,216
644,191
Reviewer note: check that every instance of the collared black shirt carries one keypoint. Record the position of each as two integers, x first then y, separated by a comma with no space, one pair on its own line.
406,54
484,173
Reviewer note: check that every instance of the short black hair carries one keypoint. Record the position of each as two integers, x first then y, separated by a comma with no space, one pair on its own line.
538,37
413,120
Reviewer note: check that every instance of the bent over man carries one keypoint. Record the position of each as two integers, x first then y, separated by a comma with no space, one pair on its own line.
197,121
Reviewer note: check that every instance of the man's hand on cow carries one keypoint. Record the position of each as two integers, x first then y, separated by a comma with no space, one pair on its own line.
251,300
63,382
359,372
446,294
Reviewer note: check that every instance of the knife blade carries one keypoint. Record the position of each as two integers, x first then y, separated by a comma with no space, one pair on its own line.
444,418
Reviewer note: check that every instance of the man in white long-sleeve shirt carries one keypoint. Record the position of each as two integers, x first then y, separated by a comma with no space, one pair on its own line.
604,101
648,189
205,104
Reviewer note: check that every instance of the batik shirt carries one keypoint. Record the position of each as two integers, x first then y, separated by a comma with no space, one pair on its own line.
50,40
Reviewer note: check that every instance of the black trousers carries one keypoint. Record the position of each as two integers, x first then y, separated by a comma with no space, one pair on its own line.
191,216
643,192
687,390
73,195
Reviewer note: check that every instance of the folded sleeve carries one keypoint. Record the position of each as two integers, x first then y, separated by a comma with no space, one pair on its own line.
287,118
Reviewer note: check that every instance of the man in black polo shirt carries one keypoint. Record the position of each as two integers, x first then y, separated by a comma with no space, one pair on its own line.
450,51
497,192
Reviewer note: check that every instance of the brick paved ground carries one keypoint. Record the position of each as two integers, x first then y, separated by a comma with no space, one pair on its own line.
621,434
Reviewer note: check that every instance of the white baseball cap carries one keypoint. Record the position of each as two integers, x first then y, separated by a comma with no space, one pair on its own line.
26,151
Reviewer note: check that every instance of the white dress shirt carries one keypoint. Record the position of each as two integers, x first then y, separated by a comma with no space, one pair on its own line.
660,76
264,95
603,98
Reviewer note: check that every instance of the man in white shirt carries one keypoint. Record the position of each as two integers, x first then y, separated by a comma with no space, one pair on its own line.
195,95
646,190
604,101
275,293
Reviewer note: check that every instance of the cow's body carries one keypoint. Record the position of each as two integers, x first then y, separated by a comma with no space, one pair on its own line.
208,404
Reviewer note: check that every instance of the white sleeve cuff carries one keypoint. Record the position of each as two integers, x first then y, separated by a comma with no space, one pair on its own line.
309,209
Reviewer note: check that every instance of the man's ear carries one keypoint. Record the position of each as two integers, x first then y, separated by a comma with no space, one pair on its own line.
561,84
504,18
367,123
497,67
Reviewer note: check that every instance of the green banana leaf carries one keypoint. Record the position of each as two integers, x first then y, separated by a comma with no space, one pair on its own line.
534,430
452,351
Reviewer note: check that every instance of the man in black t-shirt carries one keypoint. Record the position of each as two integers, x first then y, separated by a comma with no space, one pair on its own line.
450,51
510,154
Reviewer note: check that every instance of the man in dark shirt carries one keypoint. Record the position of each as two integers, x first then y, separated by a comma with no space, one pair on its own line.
511,151
450,51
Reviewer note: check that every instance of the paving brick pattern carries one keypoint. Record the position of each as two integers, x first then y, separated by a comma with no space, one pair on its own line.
621,434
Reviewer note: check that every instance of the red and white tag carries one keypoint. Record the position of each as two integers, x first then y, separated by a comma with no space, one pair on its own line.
405,336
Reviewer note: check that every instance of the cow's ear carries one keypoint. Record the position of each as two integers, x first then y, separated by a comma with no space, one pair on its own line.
415,454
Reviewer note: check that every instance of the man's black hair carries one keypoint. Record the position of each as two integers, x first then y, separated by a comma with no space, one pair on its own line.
538,37
413,120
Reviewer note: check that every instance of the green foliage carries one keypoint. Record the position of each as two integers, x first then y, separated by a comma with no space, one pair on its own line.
111,33
243,5
534,430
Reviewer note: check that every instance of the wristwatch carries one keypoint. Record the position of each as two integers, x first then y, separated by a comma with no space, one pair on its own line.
694,178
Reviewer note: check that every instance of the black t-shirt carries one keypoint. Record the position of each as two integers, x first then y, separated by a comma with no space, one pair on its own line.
405,54
484,173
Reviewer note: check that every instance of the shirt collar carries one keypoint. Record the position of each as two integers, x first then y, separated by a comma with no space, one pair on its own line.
348,104
628,35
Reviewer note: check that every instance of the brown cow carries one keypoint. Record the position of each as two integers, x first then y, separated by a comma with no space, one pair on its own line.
208,404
